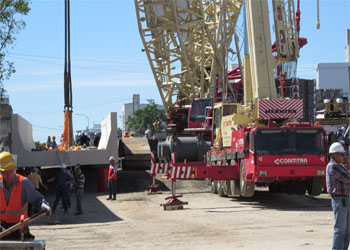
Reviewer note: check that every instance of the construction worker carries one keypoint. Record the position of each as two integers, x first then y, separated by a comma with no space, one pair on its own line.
126,134
36,181
112,179
132,135
53,143
62,180
79,188
338,186
97,138
16,192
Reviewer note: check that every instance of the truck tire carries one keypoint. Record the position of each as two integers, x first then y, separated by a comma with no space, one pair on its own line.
291,188
226,187
207,182
214,187
301,188
314,187
246,190
221,189
235,190
273,188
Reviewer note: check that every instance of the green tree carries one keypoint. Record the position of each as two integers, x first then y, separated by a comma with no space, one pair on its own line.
142,118
10,25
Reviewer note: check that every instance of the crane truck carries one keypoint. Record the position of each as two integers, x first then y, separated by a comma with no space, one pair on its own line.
237,143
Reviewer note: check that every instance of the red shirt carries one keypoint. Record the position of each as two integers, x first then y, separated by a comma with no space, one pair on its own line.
111,171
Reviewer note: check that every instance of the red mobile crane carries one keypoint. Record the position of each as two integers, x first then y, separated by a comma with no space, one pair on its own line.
211,134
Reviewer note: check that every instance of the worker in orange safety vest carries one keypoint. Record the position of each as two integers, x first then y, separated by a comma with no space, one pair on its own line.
15,193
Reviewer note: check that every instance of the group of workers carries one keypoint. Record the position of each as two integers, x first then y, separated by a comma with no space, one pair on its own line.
127,135
82,139
17,192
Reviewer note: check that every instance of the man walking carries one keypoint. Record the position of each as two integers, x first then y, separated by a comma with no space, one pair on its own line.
79,189
36,181
15,193
62,179
112,179
338,185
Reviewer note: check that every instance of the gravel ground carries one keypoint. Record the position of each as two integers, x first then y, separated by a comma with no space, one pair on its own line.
137,221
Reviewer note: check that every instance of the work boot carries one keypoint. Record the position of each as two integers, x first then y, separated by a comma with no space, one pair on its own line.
109,198
65,210
78,213
27,234
114,198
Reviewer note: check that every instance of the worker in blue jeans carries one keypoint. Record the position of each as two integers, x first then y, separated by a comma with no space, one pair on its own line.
62,179
338,186
79,189
112,179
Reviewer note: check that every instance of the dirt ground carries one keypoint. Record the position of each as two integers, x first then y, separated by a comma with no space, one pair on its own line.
137,221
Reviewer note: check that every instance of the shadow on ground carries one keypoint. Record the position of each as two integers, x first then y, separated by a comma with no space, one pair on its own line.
94,209
285,202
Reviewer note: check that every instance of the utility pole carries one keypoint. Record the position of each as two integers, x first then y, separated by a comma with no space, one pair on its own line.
68,95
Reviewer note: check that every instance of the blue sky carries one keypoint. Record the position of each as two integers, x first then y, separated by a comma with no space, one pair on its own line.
108,65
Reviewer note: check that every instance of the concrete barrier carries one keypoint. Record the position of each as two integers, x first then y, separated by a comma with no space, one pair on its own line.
22,144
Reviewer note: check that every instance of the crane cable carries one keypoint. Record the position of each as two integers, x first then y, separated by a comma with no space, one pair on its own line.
318,15
67,135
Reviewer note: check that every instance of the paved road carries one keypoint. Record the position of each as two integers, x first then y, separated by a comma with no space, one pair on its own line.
137,221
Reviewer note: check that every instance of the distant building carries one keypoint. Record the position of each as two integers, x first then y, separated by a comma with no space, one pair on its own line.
336,75
129,108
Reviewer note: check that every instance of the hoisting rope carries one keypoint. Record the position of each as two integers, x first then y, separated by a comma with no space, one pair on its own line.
318,15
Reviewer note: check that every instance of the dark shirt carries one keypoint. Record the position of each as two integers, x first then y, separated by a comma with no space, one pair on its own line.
61,179
96,141
337,179
53,145
84,140
80,181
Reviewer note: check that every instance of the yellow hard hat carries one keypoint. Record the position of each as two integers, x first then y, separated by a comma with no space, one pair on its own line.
7,161
53,137
132,133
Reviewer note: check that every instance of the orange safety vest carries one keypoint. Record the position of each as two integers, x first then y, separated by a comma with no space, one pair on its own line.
12,212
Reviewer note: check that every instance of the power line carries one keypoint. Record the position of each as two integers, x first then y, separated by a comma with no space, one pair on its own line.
83,60
75,66
46,127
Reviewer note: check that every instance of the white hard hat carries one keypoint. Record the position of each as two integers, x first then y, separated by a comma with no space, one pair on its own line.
111,158
63,165
336,147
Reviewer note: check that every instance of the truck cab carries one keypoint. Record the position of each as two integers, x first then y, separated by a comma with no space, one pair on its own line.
290,158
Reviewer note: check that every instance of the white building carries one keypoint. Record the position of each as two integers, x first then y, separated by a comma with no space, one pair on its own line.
129,108
336,75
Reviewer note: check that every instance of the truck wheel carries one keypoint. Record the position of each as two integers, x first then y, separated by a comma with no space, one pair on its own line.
207,182
214,187
301,188
226,187
235,190
273,188
291,188
221,189
246,190
314,187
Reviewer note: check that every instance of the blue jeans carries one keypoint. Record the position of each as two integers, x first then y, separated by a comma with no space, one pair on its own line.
342,222
79,193
60,194
112,188
67,190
